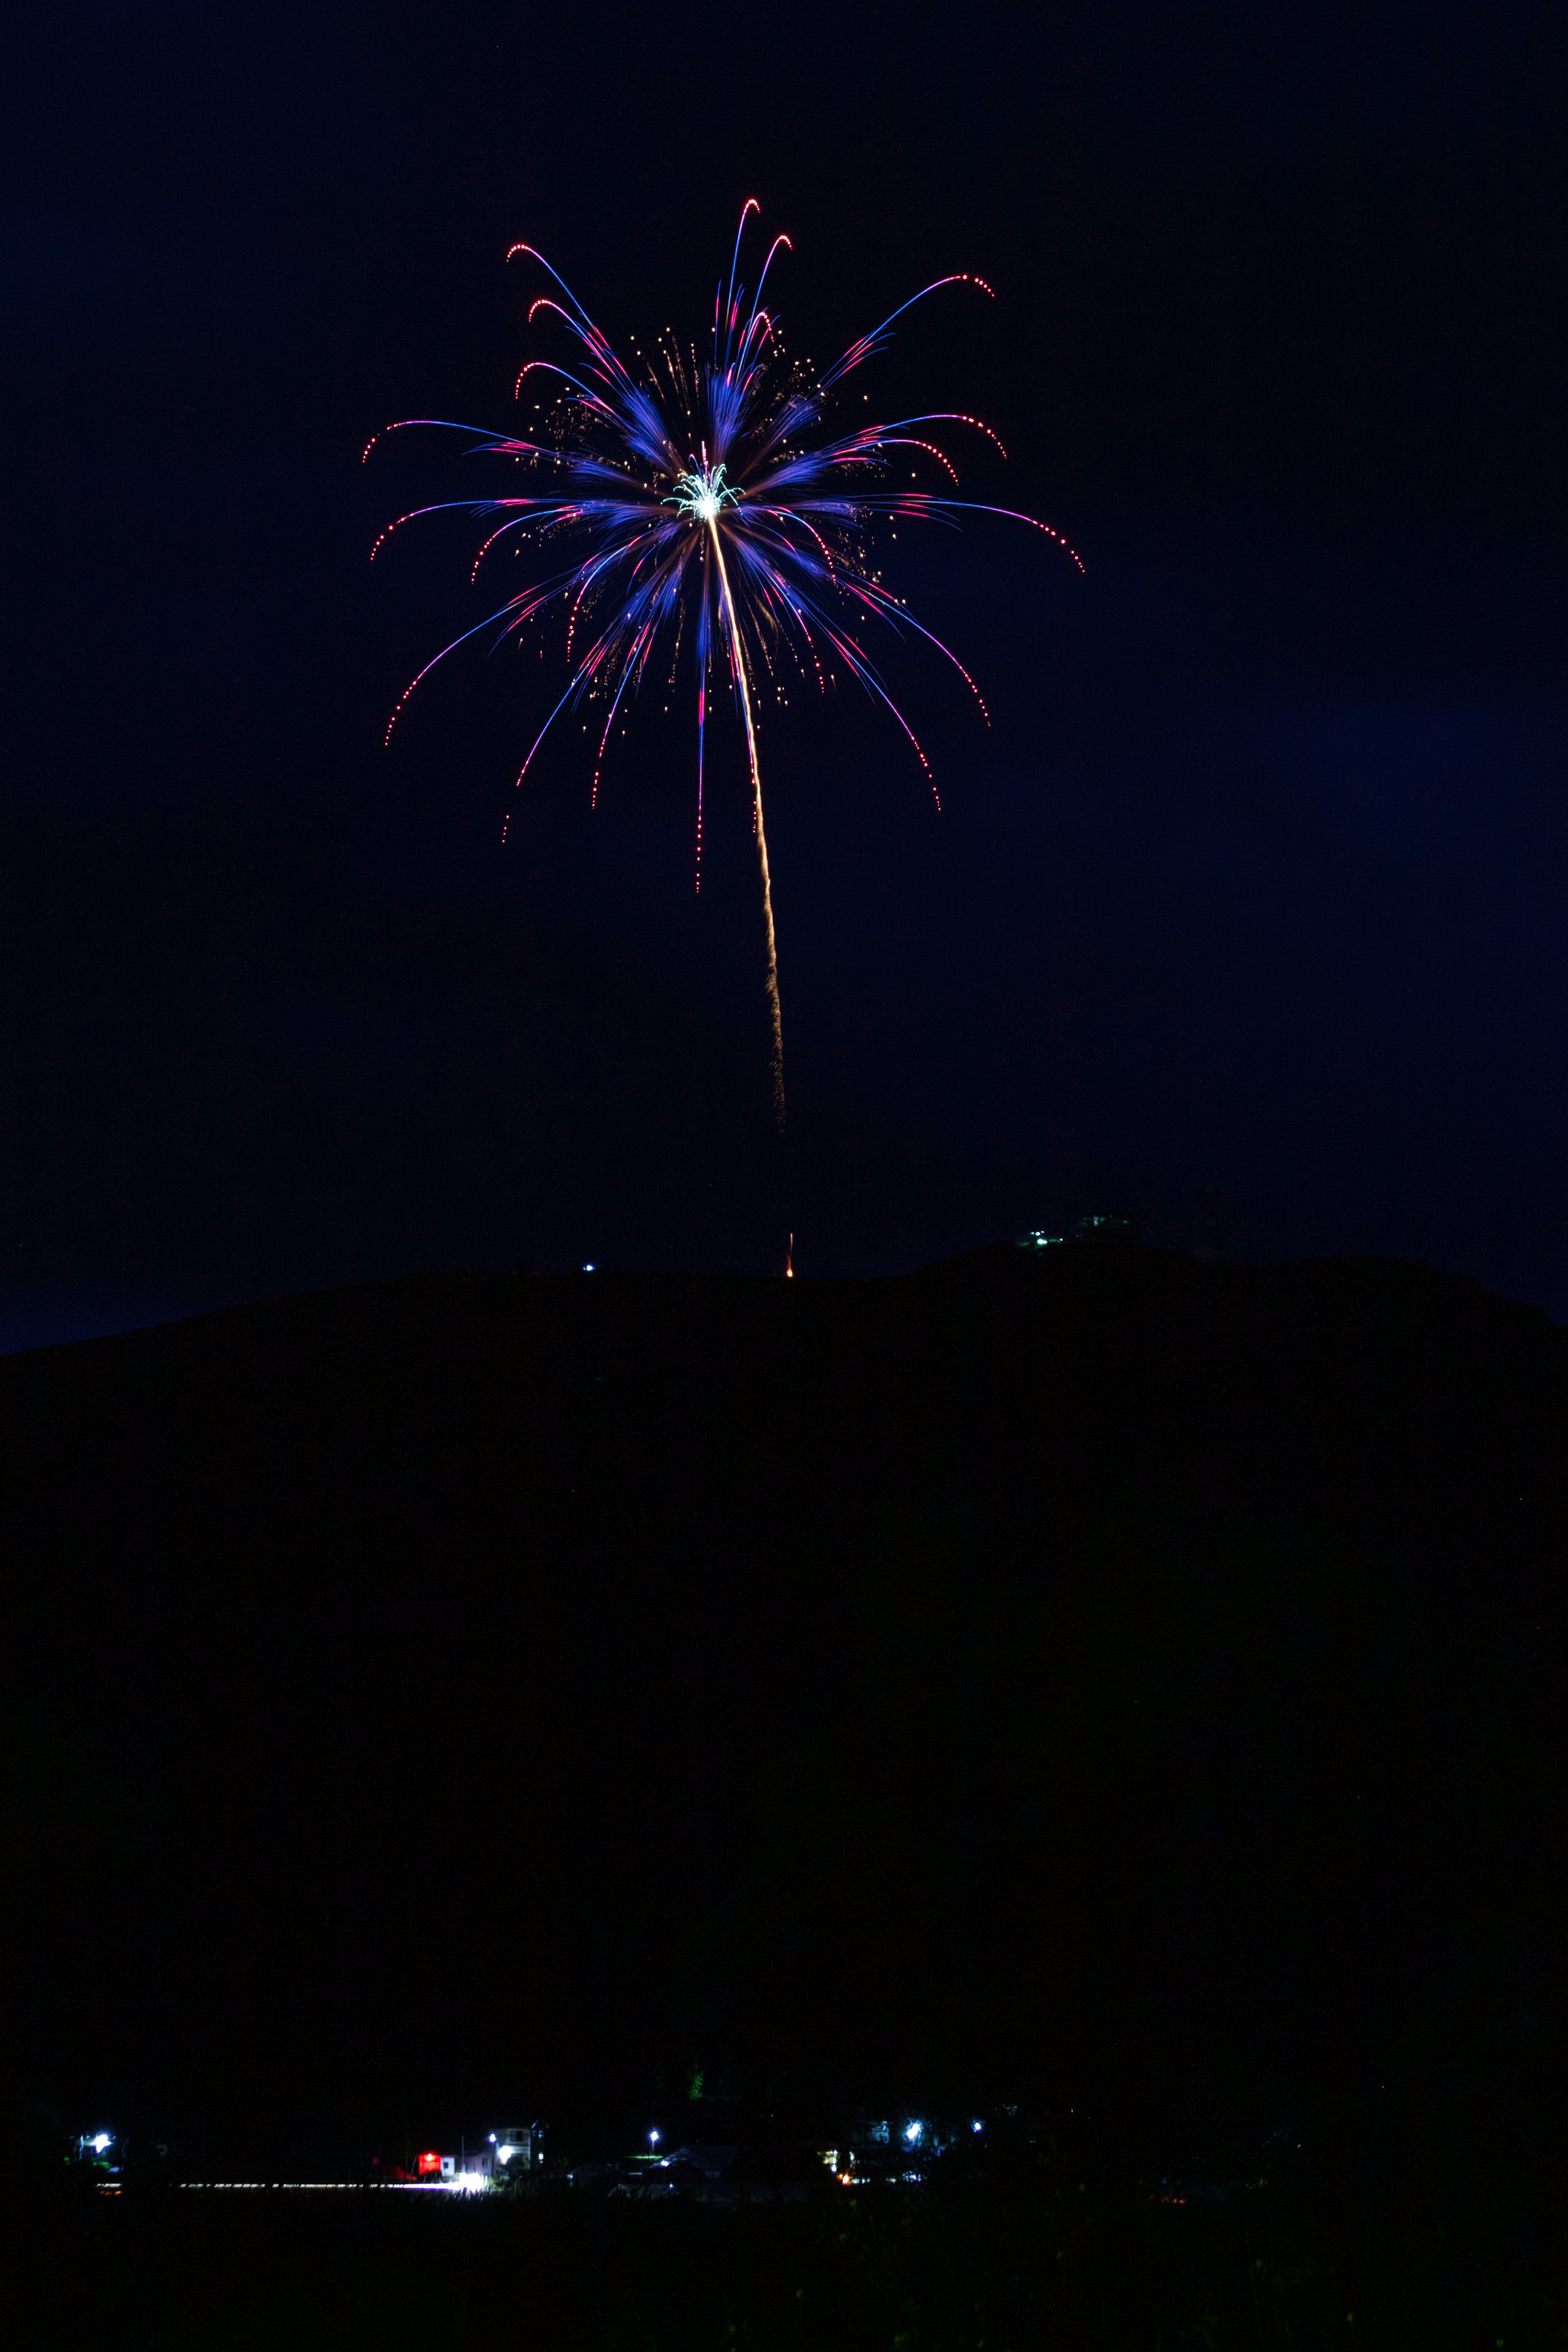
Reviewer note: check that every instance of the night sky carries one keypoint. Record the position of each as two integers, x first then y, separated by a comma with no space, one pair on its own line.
1256,881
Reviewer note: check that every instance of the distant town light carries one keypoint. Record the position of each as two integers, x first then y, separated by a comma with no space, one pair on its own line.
653,2139
101,2140
506,2151
976,2125
492,2139
468,2184
588,1269
911,2133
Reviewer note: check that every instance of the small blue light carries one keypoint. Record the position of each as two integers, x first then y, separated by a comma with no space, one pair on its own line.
588,1269
911,2132
977,2126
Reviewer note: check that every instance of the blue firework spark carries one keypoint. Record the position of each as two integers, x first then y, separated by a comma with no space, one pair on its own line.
709,500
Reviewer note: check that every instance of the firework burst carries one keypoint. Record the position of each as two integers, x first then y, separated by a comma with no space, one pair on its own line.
709,500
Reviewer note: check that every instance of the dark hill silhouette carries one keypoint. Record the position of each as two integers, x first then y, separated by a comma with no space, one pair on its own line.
1092,1678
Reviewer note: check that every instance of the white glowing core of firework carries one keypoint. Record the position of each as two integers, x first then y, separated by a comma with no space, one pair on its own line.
701,497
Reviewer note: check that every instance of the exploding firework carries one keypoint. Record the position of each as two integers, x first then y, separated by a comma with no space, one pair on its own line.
710,500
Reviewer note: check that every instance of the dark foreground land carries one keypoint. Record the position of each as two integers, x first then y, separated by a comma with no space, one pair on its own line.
1118,1688
1038,2259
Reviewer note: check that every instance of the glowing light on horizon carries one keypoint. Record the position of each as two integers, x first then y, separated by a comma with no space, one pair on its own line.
699,501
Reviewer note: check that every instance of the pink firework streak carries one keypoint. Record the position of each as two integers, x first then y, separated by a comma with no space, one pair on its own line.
708,497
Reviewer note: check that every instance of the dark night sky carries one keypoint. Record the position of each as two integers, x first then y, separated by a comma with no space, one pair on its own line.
1257,880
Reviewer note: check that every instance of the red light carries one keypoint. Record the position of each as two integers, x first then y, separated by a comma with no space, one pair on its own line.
429,2162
